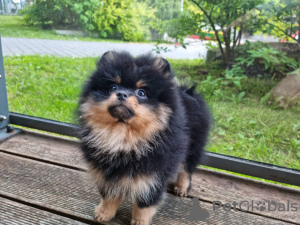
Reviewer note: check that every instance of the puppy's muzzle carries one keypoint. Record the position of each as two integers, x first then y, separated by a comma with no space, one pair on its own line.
121,110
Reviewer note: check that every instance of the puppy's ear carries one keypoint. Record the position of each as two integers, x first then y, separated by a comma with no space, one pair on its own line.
163,65
106,58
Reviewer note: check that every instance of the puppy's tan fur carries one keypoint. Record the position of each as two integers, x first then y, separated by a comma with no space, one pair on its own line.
183,182
112,136
142,216
107,209
117,79
140,84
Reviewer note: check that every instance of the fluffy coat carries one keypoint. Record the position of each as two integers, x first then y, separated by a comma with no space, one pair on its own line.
139,129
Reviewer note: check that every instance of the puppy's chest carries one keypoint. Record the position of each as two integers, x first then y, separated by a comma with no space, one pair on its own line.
116,140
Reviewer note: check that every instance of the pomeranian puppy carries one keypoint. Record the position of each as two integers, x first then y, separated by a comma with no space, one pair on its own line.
138,130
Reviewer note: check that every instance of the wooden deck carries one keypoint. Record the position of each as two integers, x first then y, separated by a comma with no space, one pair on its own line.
43,181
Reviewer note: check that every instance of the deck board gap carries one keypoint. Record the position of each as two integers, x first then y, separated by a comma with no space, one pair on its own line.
43,160
44,208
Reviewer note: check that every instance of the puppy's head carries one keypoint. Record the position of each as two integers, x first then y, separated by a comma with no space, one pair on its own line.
126,94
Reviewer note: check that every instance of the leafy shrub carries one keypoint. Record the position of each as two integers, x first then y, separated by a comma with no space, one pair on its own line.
235,85
262,54
126,19
61,13
224,88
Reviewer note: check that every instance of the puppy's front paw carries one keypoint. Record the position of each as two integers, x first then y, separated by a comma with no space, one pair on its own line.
102,214
142,216
139,222
180,191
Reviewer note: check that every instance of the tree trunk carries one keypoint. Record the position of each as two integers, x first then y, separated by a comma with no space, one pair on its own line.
298,15
227,38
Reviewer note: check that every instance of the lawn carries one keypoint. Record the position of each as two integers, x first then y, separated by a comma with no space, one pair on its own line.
14,26
49,87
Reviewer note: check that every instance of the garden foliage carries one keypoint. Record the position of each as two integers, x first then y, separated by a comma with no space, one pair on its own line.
167,13
61,13
226,19
254,59
127,19
281,18
135,20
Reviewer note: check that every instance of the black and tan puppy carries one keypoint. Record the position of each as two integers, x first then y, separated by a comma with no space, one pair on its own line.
138,130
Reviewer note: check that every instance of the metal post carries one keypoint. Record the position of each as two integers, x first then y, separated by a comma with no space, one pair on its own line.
6,131
4,113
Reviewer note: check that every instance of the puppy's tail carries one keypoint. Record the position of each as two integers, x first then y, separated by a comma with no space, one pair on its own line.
190,91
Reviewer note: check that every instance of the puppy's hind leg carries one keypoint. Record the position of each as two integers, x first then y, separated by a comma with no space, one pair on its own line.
183,182
107,209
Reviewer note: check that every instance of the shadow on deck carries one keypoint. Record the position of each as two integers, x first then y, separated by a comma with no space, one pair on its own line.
43,181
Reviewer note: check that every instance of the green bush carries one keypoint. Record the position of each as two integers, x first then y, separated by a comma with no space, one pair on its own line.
125,19
61,13
234,85
263,54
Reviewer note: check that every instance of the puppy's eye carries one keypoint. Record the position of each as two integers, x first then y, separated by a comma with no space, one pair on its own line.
113,88
141,93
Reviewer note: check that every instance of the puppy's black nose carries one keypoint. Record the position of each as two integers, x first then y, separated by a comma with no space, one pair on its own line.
122,95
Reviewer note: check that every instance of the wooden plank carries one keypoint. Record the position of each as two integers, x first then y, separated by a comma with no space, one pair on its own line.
207,184
212,186
50,148
72,193
15,213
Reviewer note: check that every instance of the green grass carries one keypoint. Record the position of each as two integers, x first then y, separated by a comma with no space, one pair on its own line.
256,132
14,26
49,87
46,86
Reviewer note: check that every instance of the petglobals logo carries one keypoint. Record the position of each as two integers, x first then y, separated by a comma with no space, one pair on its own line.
251,206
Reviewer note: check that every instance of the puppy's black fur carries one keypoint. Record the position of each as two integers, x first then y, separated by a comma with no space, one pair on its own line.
180,141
